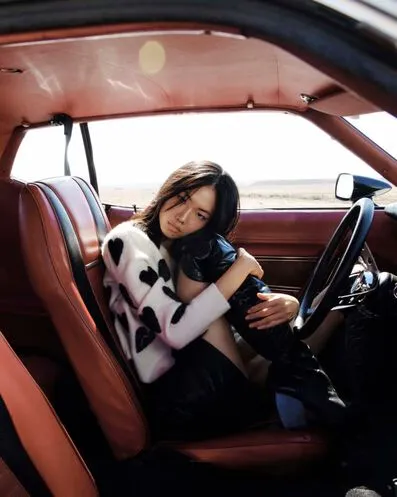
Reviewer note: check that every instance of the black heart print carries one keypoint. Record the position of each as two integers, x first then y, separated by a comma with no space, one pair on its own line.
178,314
149,319
116,249
126,295
171,294
148,276
143,338
164,271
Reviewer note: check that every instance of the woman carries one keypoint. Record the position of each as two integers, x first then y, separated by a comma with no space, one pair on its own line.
182,346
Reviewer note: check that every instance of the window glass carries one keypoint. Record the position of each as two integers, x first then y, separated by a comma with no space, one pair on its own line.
41,154
380,127
278,160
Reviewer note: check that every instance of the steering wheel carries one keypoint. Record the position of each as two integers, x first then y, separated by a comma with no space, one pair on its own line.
334,267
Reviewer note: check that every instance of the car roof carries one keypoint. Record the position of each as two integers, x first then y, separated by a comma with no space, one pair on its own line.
160,70
89,70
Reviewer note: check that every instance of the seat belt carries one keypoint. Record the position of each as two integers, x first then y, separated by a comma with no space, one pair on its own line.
85,134
15,456
67,122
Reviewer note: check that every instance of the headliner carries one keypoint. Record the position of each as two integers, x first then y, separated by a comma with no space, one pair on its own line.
139,72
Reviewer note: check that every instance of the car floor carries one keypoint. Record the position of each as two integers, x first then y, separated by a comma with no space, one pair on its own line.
369,459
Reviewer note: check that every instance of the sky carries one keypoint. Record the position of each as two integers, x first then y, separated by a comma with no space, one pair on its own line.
251,145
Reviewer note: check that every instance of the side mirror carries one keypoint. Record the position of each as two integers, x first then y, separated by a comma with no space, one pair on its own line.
351,187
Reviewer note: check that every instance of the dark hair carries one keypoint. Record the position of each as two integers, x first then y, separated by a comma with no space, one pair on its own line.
192,176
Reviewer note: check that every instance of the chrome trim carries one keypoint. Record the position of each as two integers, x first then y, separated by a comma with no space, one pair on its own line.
286,258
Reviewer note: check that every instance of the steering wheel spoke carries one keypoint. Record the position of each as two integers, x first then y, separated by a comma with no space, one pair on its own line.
364,283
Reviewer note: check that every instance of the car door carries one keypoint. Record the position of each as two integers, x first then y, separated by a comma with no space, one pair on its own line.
288,243
285,168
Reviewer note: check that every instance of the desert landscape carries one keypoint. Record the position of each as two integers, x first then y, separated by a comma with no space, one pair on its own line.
257,195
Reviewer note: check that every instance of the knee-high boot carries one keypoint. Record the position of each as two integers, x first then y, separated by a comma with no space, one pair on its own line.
294,371
370,347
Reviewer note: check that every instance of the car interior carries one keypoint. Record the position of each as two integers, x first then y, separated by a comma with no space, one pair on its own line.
72,407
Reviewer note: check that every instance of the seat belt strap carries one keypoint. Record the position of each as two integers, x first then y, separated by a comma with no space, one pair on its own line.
67,122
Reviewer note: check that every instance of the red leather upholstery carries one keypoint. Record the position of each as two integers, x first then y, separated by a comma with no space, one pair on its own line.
111,396
278,451
108,390
40,432
23,319
16,294
9,484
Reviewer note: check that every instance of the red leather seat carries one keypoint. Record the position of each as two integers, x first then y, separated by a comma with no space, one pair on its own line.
40,433
16,293
62,225
23,319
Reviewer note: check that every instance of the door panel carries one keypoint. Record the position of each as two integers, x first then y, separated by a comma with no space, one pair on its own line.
286,274
288,243
117,215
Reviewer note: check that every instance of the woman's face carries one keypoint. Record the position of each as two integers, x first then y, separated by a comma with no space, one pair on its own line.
187,212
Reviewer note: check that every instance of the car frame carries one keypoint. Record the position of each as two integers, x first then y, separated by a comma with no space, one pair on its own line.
356,58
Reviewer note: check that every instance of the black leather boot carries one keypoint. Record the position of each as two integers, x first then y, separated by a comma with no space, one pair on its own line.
370,349
383,302
294,371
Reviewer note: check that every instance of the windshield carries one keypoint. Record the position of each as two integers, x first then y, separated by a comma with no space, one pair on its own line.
380,127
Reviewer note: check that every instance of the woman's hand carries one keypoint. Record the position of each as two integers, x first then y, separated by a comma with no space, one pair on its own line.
250,263
274,309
